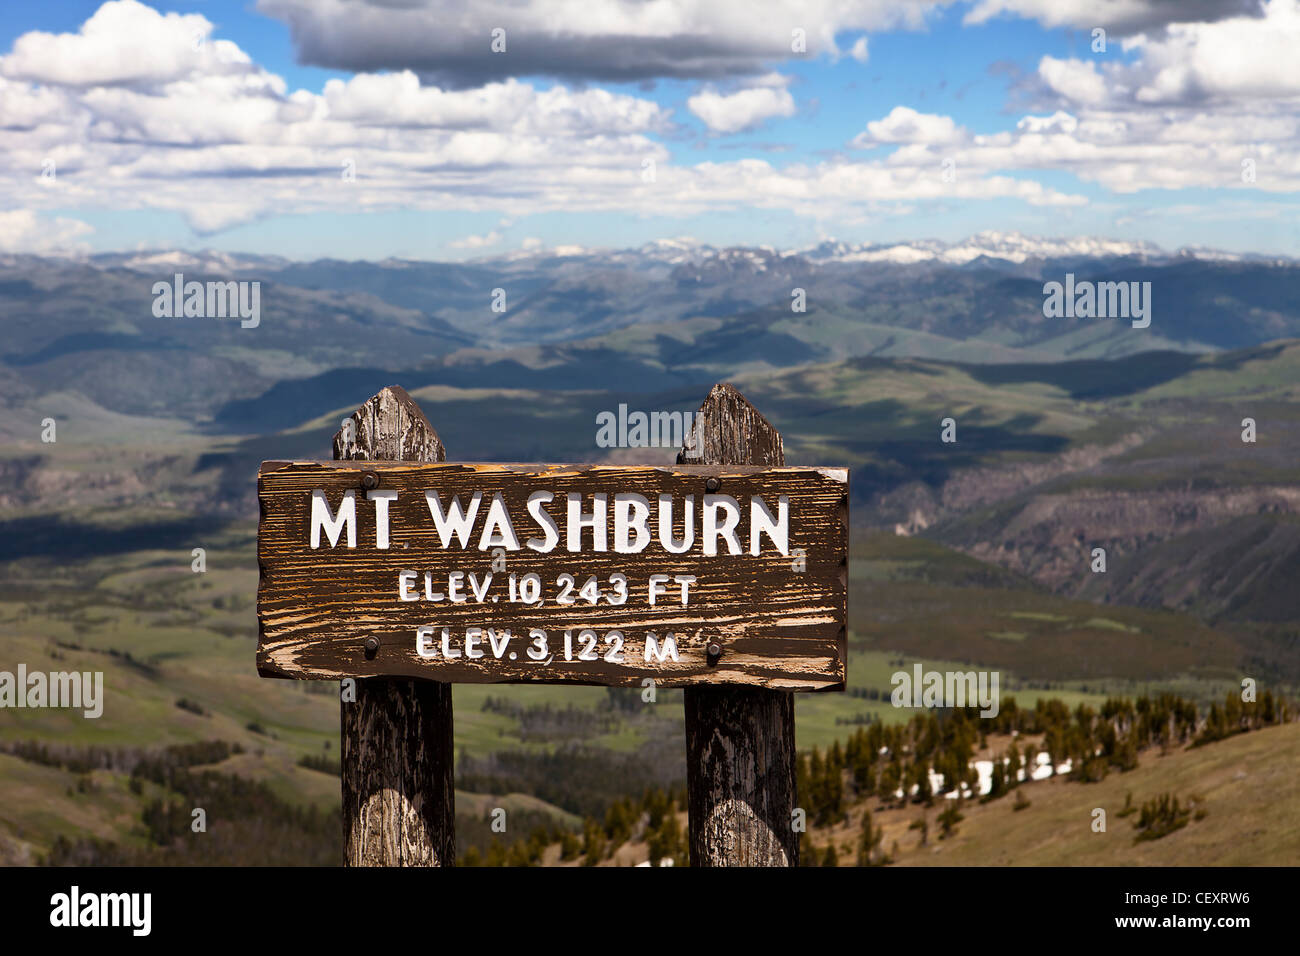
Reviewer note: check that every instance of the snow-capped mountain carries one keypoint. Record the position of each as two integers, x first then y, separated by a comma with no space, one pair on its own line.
205,261
662,257
1009,246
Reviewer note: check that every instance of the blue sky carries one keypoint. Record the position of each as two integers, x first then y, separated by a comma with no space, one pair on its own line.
156,140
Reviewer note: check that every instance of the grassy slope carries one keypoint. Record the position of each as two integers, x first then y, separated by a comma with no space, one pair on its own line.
1248,784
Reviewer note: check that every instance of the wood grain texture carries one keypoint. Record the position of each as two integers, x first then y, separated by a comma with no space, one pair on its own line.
397,750
777,619
740,750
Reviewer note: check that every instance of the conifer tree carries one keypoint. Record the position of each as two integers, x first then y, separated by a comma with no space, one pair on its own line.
997,785
593,842
868,839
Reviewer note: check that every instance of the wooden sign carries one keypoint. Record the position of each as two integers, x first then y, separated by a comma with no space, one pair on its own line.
491,573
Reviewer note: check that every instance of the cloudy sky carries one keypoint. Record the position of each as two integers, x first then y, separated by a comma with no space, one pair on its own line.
433,129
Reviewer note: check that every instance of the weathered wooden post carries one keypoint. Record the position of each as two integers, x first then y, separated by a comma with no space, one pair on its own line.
398,798
740,756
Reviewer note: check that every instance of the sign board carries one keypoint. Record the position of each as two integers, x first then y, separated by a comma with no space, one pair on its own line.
495,573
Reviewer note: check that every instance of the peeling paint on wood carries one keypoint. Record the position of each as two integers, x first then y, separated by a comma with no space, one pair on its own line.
444,603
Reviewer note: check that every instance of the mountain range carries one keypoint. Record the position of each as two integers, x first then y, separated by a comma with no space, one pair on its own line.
670,313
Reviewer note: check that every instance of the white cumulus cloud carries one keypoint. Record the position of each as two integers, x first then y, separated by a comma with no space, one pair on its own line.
124,42
742,110
476,242
906,125
221,140
22,230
